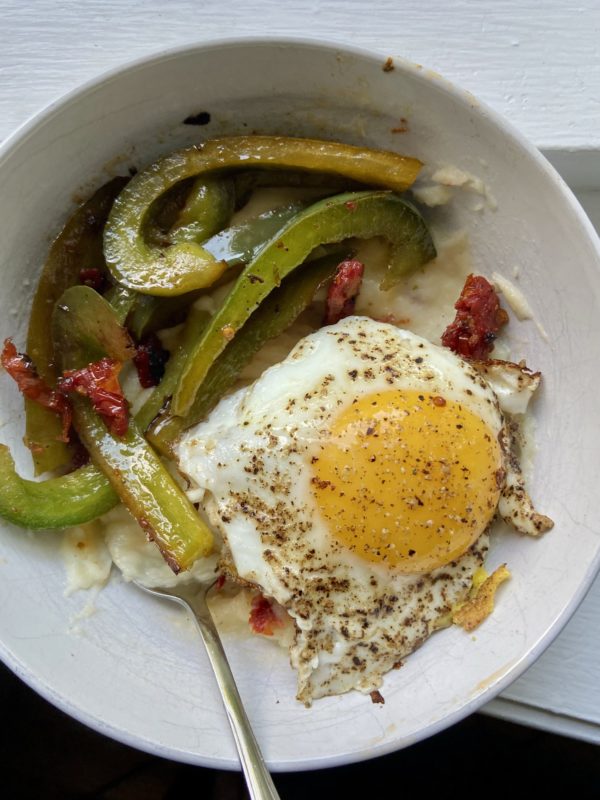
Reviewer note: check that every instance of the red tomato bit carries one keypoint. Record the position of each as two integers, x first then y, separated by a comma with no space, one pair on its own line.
220,582
262,616
341,297
150,359
92,277
22,370
99,381
478,319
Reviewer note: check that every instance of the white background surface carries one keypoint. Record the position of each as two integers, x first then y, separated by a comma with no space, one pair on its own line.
538,63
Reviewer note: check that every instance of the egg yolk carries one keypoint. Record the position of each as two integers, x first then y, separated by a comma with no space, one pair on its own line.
407,479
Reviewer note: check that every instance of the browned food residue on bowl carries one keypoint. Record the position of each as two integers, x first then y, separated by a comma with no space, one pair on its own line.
202,118
402,126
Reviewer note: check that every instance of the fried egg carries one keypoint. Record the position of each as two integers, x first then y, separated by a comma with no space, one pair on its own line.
354,483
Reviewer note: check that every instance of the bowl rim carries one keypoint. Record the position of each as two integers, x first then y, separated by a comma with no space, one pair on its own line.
464,98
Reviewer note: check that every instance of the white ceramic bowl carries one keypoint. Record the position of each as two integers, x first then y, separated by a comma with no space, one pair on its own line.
132,670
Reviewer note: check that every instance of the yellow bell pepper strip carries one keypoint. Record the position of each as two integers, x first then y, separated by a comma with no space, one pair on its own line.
186,266
78,249
132,467
80,496
270,319
354,214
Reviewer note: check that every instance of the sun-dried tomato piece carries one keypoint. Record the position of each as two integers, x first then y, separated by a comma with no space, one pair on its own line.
22,370
99,382
341,297
93,277
263,618
150,359
478,319
220,582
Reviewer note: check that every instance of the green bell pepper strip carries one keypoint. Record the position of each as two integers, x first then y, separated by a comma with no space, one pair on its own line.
85,494
235,246
207,210
122,301
146,488
204,204
80,496
85,328
246,182
77,247
281,308
194,325
187,266
132,467
356,214
270,319
239,244
149,313
63,501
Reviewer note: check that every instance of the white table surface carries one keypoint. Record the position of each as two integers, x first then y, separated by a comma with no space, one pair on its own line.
536,62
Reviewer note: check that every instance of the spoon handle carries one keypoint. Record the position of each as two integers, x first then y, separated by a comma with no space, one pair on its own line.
259,781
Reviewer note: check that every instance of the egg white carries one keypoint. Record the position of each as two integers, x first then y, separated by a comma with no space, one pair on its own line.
355,619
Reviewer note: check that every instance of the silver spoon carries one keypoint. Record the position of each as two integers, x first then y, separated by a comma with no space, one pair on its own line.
193,599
